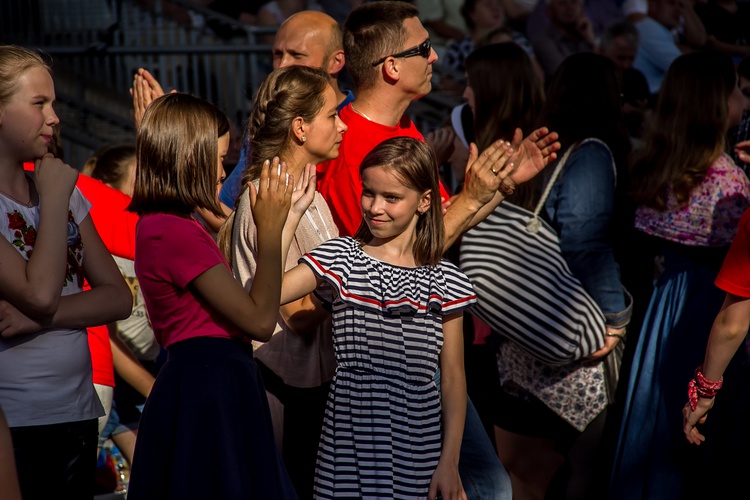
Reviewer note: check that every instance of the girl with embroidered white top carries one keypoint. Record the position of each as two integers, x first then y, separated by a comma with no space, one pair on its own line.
45,367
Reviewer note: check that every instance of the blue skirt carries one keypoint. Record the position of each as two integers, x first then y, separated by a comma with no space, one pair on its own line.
652,457
206,429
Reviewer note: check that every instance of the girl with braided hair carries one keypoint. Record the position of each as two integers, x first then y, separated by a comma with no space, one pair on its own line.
295,119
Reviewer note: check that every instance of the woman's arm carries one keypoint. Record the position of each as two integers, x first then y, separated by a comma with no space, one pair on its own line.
728,331
446,479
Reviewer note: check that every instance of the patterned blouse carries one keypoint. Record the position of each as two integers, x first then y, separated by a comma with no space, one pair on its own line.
711,216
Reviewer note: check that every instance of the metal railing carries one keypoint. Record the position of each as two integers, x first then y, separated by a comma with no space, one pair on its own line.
97,45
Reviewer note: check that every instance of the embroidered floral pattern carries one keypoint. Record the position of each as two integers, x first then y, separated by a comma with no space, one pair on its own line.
24,238
712,214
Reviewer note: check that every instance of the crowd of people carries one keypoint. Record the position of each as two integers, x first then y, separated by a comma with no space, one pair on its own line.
286,316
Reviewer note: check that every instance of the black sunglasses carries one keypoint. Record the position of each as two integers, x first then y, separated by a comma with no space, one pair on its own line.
423,49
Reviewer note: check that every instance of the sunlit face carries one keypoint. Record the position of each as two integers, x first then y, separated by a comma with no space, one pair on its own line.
325,132
223,148
298,45
390,209
26,120
416,75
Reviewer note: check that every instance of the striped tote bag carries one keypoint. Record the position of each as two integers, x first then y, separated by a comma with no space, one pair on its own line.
525,289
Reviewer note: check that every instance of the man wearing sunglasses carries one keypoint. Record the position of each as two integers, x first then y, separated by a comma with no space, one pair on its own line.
389,57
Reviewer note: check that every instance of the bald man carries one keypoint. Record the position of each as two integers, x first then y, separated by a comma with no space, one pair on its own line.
307,38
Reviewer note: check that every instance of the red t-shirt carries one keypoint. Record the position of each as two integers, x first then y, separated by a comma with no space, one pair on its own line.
338,179
734,276
172,252
115,225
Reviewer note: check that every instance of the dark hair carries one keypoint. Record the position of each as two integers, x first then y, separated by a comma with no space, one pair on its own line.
414,163
583,100
371,31
177,153
688,130
111,165
467,8
505,104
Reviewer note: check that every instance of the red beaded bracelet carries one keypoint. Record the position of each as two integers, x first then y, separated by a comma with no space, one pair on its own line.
701,387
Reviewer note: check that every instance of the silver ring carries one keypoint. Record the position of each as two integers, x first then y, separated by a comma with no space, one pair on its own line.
493,171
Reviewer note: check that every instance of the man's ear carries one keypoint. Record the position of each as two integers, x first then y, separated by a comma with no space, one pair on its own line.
336,63
392,69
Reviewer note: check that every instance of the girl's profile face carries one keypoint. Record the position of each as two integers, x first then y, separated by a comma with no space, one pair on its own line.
388,206
325,132
223,149
27,119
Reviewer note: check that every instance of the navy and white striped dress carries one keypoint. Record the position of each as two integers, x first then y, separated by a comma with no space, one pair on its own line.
381,437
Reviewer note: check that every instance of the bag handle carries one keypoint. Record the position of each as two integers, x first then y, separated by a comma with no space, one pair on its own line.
558,168
534,224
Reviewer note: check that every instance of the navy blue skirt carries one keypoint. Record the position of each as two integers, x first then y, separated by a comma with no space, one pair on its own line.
206,430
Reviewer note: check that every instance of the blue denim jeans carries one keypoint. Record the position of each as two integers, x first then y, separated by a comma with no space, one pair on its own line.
482,475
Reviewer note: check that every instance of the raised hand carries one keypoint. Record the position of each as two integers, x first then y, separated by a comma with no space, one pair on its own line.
273,198
533,153
485,172
304,191
743,151
145,89
441,141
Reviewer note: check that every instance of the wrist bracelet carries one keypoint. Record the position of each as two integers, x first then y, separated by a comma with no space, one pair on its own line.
701,387
620,336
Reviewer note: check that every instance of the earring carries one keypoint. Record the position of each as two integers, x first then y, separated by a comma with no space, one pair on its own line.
304,138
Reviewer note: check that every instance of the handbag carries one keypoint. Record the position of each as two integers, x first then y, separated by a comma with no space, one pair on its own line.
525,289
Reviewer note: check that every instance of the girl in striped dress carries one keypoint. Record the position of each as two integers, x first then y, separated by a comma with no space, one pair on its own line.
389,430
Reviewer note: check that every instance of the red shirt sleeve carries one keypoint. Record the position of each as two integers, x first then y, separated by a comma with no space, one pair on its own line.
115,225
734,276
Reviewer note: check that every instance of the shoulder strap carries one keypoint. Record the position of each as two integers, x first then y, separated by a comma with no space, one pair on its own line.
553,178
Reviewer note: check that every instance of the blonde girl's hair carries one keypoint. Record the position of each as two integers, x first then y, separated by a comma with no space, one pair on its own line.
286,93
14,62
177,155
415,165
